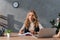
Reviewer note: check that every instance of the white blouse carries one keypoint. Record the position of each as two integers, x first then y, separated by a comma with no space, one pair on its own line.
31,26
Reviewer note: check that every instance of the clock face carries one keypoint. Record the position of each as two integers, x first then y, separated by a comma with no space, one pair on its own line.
15,4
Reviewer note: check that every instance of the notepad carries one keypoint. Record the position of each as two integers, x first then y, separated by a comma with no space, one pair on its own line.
26,34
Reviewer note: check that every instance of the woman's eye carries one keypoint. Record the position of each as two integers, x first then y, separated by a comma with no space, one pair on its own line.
32,15
29,15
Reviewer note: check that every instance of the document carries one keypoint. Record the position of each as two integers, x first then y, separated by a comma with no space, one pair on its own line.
26,34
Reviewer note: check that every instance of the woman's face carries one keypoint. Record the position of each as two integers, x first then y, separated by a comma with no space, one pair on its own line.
31,16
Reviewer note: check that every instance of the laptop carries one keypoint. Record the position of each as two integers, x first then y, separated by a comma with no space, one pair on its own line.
46,32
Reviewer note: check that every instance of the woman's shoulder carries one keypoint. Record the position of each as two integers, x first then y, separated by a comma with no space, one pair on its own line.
40,26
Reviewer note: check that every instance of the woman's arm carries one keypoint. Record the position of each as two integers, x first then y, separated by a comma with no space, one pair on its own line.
40,26
21,31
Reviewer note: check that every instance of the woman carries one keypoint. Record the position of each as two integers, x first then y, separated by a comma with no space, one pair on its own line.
31,23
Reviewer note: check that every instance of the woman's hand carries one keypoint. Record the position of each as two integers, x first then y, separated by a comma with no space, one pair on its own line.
31,31
21,32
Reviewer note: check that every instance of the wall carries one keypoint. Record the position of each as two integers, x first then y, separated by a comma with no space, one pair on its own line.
45,9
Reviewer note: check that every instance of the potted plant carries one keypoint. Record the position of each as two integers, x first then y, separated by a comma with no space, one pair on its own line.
8,32
56,24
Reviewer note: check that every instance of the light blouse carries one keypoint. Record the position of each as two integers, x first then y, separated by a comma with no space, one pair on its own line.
31,26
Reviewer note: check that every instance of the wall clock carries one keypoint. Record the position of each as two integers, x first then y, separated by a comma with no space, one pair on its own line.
15,4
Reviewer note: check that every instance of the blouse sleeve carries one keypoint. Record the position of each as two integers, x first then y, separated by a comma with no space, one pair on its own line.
22,28
40,26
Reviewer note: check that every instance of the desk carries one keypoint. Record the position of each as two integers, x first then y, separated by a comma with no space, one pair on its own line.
14,36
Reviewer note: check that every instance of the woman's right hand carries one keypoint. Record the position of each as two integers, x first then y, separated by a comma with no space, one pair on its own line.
21,32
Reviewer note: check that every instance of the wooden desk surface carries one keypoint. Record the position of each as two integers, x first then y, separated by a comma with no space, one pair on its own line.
14,36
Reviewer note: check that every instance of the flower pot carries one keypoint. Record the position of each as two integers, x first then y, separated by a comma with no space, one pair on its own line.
8,35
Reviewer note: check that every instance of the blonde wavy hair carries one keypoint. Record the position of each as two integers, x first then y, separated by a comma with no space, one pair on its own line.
35,19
